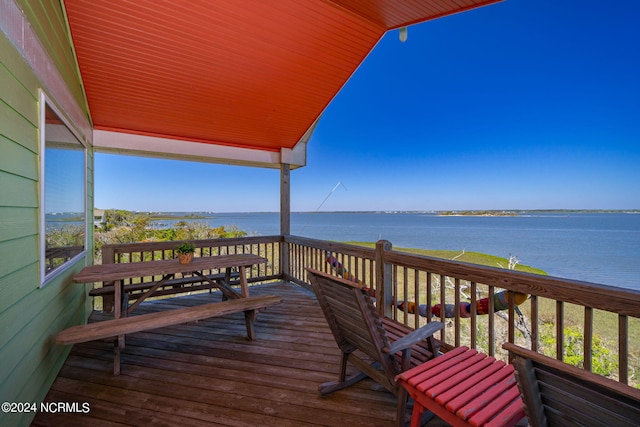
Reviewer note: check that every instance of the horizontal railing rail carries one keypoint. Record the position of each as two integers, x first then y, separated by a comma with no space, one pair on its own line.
331,257
594,326
264,246
598,313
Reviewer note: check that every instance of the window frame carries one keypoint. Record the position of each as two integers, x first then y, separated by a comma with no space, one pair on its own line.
46,278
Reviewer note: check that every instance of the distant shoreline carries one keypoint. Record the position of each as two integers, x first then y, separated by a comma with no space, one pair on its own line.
466,212
478,213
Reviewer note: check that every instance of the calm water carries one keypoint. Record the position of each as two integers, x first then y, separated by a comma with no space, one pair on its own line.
599,248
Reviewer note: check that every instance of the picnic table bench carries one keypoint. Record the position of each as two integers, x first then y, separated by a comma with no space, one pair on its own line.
133,291
168,269
143,322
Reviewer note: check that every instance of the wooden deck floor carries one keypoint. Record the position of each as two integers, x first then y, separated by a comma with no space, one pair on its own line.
209,374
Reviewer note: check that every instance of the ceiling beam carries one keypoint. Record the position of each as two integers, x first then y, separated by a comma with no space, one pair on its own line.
149,146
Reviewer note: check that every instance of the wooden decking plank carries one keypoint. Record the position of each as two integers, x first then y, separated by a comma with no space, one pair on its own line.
224,368
271,391
210,373
233,351
238,342
115,396
220,360
273,381
105,413
252,373
191,391
228,326
74,420
192,348
308,315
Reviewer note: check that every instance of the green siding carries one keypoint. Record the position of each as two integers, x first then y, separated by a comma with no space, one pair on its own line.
17,160
18,97
17,222
20,130
53,316
18,191
13,64
16,285
17,254
30,317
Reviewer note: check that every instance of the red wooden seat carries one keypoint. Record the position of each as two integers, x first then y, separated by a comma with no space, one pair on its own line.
464,388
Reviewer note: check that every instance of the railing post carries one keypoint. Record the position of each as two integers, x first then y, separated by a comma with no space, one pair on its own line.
284,258
384,279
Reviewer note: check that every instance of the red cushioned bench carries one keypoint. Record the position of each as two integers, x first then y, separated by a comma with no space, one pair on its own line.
464,388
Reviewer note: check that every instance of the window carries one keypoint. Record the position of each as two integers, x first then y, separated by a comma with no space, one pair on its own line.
62,194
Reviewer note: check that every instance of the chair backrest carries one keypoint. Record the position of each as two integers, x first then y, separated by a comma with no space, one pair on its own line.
557,394
352,317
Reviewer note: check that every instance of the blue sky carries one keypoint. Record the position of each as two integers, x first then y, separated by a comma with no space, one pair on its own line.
520,105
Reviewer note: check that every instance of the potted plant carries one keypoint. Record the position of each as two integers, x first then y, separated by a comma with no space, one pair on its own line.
185,252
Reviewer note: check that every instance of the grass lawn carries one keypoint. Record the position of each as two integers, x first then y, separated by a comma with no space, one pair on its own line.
462,256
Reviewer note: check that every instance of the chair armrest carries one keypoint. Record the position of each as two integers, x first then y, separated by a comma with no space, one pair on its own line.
414,337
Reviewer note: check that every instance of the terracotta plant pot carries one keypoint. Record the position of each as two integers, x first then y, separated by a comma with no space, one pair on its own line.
185,258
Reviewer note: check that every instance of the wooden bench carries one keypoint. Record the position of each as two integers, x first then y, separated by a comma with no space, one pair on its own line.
170,287
558,394
464,388
143,322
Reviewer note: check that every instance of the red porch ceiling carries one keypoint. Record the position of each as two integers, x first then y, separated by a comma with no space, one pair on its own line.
244,73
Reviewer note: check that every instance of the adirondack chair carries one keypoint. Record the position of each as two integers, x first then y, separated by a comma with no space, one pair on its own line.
557,394
379,347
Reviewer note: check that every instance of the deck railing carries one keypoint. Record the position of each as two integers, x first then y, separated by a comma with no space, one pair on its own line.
594,326
331,257
267,247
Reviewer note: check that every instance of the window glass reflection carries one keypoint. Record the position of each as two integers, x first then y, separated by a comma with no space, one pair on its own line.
64,193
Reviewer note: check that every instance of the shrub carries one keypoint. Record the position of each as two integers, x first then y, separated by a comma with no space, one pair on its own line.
603,361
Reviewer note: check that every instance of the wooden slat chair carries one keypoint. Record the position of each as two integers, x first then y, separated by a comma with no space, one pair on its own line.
380,348
558,394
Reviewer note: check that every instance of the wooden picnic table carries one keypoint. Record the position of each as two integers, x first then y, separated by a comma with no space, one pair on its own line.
168,268
118,272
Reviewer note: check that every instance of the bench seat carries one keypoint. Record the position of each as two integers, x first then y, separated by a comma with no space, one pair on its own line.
170,287
143,322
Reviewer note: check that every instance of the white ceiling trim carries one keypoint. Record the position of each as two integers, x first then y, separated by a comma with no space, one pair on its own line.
149,146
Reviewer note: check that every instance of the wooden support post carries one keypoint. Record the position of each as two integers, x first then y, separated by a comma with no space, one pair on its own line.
285,217
384,278
108,257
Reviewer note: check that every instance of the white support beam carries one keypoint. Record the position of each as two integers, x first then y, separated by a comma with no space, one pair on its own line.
149,146
296,157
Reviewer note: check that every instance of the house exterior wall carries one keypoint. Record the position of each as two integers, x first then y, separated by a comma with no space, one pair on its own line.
30,316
